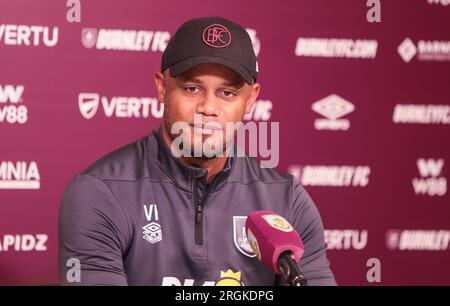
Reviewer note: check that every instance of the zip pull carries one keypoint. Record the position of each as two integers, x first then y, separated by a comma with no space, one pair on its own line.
198,216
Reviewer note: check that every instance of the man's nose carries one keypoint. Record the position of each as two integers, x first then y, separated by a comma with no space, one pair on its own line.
209,105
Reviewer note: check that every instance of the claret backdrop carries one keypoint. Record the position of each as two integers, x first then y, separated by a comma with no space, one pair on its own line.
361,91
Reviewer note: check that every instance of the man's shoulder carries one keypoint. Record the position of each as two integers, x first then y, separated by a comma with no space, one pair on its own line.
127,163
251,169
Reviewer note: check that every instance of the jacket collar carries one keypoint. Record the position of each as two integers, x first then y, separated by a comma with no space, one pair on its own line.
183,175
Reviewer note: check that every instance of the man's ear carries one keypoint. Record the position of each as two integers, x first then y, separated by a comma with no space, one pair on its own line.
254,92
160,86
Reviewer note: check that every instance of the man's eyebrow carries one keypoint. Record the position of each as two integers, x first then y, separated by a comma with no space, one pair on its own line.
235,84
189,79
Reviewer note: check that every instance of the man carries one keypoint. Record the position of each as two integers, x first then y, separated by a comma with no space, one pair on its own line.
161,211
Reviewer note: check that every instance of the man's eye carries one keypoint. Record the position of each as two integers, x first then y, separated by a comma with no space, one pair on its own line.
228,93
192,89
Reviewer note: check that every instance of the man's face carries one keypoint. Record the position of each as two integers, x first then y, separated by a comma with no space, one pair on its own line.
206,97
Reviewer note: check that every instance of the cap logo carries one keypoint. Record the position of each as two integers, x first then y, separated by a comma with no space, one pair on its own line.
216,36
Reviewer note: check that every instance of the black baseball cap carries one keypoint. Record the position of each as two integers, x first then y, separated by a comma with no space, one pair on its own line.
211,40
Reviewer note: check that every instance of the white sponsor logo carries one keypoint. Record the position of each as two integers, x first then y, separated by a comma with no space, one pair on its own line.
346,239
19,175
393,239
152,231
255,41
332,107
261,111
441,2
431,182
24,243
340,176
407,50
418,240
426,50
434,50
126,40
89,37
11,108
421,114
88,104
120,107
336,176
340,48
18,35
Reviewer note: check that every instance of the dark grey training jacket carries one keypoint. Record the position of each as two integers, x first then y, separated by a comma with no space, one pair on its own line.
139,216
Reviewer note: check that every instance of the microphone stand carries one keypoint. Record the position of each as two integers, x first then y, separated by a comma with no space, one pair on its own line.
290,272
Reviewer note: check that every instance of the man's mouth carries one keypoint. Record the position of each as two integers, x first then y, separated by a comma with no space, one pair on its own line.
208,128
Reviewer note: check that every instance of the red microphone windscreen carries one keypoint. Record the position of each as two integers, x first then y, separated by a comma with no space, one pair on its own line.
270,235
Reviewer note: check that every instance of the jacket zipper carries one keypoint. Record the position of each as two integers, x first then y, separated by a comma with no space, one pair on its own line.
199,205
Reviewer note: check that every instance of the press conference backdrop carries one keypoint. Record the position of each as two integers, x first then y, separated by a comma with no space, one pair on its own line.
364,113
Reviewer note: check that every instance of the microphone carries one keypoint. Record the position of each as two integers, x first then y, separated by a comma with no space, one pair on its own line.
276,244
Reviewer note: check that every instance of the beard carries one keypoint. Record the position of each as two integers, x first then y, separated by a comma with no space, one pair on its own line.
191,142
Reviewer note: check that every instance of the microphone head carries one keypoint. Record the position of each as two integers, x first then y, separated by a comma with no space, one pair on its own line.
270,235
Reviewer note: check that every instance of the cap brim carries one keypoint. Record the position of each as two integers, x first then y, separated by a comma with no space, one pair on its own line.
186,64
